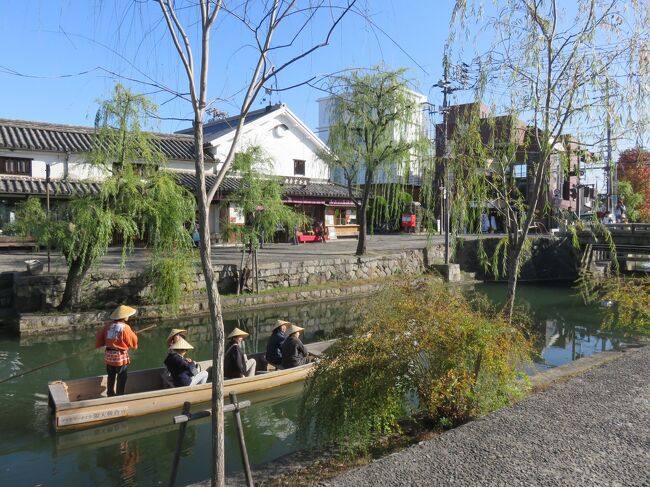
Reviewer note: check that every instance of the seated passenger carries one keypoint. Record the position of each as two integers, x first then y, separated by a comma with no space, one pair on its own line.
174,335
183,370
274,345
294,352
235,363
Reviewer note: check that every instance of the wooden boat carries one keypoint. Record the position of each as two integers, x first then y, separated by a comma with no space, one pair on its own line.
80,403
111,433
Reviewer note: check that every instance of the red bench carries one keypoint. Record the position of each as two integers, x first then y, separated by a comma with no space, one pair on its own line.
302,238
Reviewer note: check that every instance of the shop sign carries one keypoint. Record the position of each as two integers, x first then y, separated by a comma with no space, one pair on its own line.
235,214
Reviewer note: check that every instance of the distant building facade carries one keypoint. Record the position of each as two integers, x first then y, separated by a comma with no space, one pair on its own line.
28,149
413,180
561,192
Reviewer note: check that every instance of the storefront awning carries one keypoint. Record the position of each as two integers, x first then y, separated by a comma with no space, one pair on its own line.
303,201
346,203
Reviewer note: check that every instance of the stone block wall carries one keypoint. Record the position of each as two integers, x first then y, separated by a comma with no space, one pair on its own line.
293,274
43,292
550,259
103,290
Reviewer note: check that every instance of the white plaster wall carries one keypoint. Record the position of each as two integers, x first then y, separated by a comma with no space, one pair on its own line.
76,168
282,146
185,166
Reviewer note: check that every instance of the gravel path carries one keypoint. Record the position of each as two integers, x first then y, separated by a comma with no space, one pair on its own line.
593,430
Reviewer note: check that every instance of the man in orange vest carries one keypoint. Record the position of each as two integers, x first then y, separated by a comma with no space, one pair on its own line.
117,337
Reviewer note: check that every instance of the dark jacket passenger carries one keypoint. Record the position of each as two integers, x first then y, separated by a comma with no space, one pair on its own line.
274,347
293,353
234,365
181,369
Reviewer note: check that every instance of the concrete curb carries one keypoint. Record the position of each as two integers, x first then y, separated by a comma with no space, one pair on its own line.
542,381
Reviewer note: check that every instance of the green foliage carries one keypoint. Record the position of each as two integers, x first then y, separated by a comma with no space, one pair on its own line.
633,201
30,221
420,349
260,198
373,137
139,200
170,273
626,303
121,140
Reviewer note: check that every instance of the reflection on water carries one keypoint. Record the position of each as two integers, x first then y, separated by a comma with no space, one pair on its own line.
566,329
140,451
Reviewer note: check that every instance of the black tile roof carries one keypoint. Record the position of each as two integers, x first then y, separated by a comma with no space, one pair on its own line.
22,185
218,128
293,187
47,137
59,188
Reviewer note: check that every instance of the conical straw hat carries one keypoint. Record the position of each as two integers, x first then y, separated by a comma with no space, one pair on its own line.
237,333
293,329
175,331
279,323
181,344
122,312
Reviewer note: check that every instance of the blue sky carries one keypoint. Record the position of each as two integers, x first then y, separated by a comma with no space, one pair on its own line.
51,72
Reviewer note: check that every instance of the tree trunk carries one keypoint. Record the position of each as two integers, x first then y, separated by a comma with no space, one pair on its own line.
361,243
76,276
214,306
513,271
361,212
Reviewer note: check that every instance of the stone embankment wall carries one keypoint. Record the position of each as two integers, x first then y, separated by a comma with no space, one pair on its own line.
43,292
35,294
31,324
549,259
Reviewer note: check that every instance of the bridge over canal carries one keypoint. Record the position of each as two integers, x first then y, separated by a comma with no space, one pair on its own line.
631,241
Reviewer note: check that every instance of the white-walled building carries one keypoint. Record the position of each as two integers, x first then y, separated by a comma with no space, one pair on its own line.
28,148
417,128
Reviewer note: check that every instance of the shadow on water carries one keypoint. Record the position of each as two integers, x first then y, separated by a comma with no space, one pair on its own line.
139,451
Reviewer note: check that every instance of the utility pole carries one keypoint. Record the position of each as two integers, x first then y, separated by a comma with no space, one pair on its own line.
447,89
445,153
611,168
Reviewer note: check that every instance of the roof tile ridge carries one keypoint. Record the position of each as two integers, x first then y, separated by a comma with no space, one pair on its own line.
60,127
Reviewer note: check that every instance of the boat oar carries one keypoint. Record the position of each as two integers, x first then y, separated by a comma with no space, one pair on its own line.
62,359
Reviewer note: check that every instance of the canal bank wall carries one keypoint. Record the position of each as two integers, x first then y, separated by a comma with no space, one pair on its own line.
28,324
33,293
35,296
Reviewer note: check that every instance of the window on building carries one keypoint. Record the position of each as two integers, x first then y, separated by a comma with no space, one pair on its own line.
298,167
520,171
15,165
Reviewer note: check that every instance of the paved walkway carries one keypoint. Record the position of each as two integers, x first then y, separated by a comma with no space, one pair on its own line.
591,431
377,244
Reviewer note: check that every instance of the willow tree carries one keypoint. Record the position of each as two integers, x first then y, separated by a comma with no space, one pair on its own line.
190,25
373,135
139,200
259,198
564,70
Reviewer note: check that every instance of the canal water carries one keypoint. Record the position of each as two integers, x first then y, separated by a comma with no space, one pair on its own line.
139,451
